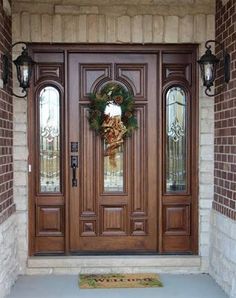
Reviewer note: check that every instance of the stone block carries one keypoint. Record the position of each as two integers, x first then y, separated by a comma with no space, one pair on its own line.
89,9
204,250
20,139
123,29
75,9
186,29
8,255
210,30
206,191
21,191
81,28
20,117
69,28
158,29
222,252
207,125
19,127
16,27
6,7
20,106
207,166
113,10
35,28
147,28
25,26
137,29
200,28
92,28
206,178
207,153
110,29
20,178
206,139
204,238
21,204
46,28
101,28
207,113
57,28
171,29
205,204
40,8
20,153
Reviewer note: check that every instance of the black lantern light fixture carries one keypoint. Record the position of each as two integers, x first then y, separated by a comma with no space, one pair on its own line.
208,63
24,66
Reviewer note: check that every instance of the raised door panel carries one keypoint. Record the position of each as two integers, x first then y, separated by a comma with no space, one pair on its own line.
113,220
139,157
50,221
176,220
134,76
91,76
87,178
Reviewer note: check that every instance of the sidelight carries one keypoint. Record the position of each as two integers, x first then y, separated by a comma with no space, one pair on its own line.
49,140
176,145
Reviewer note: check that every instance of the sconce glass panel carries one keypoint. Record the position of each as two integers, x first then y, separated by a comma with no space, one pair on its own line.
49,140
176,144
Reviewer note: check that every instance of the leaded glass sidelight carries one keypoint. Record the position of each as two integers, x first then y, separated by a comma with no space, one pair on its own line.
49,141
176,140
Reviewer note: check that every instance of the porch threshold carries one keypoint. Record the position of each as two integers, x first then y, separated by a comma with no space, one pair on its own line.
113,264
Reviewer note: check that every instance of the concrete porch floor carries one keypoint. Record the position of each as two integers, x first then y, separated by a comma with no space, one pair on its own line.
66,286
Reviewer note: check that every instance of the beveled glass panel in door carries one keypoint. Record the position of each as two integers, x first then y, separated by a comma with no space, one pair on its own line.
49,141
114,173
176,144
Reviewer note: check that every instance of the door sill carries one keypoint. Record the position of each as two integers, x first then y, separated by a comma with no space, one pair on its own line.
95,264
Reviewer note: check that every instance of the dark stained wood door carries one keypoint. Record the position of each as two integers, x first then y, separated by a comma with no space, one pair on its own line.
151,205
107,215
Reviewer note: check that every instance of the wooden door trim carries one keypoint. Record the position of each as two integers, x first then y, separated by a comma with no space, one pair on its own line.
65,49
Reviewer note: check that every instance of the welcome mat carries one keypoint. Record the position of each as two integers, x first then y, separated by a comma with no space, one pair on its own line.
91,281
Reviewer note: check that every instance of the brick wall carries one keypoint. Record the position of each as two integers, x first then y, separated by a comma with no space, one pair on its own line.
222,258
9,268
7,206
225,114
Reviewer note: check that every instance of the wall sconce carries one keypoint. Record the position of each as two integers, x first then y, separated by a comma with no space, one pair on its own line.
24,66
208,63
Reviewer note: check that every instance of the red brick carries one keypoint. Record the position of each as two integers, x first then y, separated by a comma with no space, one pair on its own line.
7,206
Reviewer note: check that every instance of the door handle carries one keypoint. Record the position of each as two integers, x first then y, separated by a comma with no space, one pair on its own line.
74,165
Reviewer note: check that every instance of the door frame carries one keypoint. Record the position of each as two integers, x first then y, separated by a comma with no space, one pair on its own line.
64,49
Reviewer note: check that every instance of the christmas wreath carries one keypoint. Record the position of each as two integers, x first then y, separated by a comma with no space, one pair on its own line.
111,114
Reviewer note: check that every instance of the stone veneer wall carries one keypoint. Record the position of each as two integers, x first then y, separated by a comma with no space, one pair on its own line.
115,21
223,225
8,230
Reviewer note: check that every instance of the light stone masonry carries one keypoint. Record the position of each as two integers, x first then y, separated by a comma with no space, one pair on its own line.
123,21
114,264
8,255
223,252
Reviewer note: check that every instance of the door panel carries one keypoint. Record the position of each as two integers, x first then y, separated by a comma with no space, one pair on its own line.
123,219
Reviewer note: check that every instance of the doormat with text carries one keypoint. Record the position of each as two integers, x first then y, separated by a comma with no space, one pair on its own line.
144,280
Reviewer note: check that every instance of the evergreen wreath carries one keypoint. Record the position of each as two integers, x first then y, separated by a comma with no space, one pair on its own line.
112,92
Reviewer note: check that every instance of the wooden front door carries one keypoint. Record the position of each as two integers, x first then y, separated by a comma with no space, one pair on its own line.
114,209
149,202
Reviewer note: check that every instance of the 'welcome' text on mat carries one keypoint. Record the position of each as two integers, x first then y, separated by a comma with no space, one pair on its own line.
91,281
